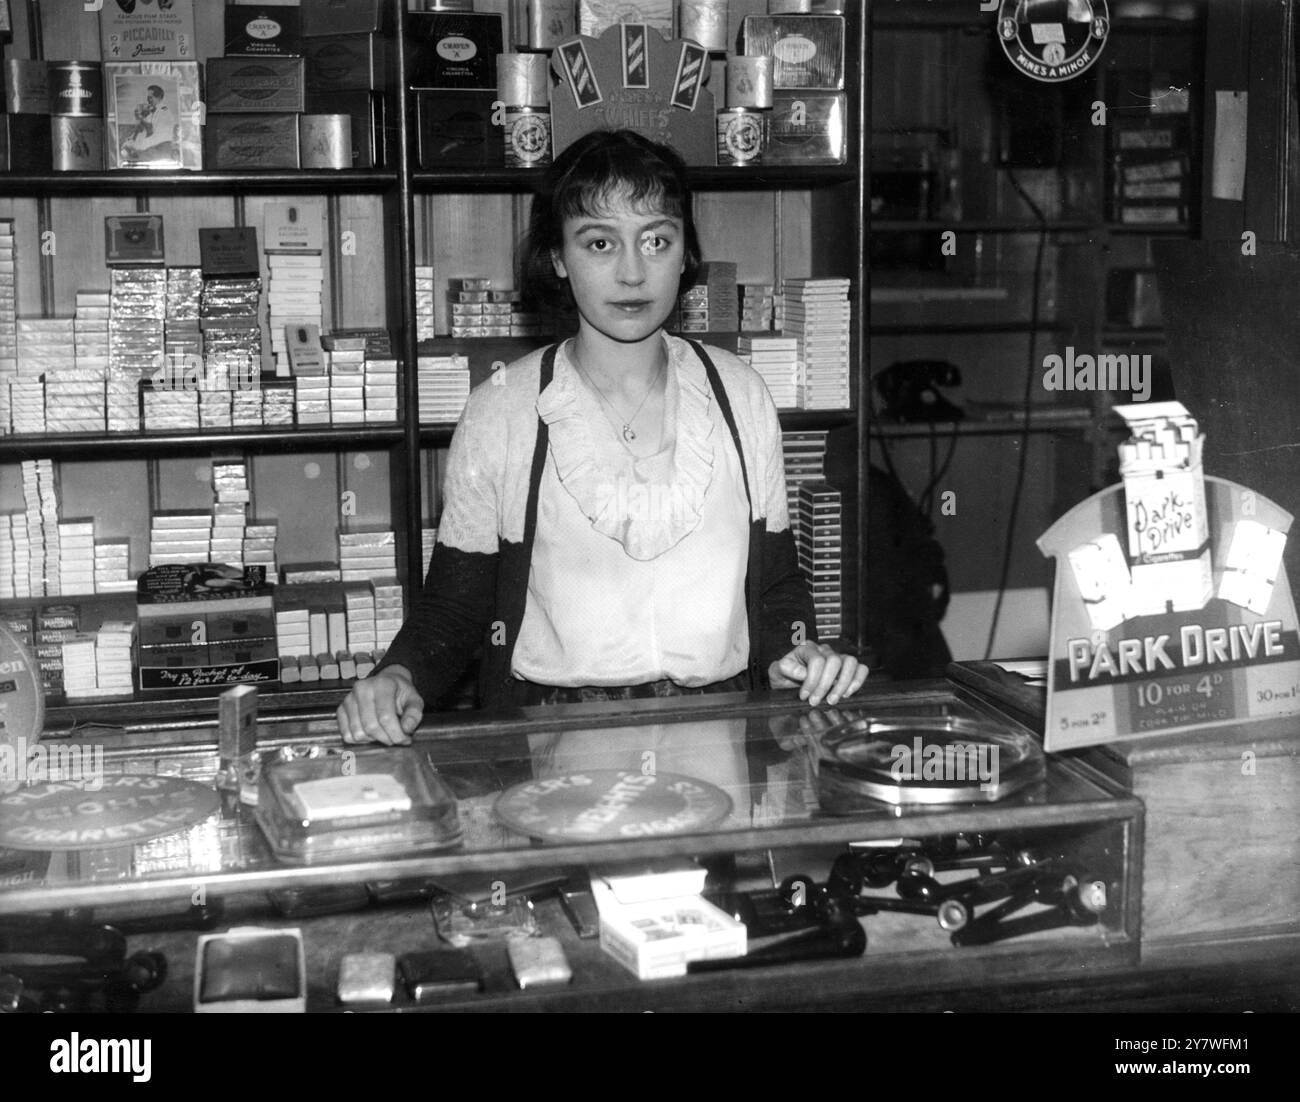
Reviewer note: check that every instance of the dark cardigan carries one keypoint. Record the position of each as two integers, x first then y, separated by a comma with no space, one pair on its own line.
472,597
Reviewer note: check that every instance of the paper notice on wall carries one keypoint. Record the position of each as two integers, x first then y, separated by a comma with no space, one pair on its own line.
1229,177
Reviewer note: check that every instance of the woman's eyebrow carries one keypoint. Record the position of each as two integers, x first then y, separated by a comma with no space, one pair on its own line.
671,223
609,227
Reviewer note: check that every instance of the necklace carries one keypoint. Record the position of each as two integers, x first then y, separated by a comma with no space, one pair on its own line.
628,434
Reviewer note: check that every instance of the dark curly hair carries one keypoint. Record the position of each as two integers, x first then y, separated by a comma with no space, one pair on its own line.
598,168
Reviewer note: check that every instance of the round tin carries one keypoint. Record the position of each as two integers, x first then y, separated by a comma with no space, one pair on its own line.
742,133
527,137
522,80
77,89
77,143
749,81
789,7
325,141
705,21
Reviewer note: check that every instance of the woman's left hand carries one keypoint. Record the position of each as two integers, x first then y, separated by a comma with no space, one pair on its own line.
820,672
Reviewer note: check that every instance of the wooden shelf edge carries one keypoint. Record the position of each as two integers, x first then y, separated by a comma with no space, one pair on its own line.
319,697
79,445
59,184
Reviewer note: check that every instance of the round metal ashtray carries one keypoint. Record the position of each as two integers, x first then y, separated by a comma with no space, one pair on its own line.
931,759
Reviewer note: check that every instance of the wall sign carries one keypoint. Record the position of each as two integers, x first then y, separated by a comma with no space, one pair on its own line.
631,76
1053,40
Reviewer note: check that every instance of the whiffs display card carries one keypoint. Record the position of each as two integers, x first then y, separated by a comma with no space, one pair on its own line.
631,76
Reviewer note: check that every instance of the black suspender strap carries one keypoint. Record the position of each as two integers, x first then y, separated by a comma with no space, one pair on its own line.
724,404
539,453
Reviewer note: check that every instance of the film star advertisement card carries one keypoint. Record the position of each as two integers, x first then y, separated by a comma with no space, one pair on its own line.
154,115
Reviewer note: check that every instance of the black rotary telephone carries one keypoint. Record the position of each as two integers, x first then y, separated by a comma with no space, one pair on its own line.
910,390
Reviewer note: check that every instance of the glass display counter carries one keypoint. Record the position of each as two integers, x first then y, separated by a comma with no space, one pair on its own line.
773,812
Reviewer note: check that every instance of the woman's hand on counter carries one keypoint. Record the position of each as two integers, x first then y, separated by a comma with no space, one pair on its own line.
819,672
384,707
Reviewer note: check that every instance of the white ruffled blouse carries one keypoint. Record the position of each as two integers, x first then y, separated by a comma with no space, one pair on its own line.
638,565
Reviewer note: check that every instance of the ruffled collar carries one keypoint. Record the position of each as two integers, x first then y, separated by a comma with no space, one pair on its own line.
627,499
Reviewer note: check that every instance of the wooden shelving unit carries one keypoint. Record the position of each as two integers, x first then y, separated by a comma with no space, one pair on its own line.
391,203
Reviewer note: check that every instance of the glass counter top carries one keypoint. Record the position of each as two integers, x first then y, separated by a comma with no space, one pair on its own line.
764,752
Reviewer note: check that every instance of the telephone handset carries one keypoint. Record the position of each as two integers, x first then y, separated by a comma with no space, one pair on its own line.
910,392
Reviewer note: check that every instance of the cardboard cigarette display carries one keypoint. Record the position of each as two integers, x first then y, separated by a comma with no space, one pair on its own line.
146,31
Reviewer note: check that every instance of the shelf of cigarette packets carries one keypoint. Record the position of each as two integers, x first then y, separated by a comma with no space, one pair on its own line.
75,601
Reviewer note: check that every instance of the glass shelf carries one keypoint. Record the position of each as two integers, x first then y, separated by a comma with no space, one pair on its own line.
761,750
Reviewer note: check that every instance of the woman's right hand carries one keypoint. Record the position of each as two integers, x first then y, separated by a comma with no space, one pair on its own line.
384,707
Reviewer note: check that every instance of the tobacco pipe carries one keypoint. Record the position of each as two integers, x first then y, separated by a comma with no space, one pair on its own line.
58,966
951,914
841,935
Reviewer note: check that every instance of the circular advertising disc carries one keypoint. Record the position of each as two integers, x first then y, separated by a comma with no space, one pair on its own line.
100,812
601,804
22,710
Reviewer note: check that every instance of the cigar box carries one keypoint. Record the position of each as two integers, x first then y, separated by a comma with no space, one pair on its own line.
807,51
240,85
228,251
454,49
346,62
455,128
807,128
251,141
320,17
263,30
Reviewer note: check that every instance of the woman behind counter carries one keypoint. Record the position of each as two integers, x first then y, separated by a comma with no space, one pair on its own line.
615,519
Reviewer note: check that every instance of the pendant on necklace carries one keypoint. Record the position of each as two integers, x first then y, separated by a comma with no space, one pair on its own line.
628,434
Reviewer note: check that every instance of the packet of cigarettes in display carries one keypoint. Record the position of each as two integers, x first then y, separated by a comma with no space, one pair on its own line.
1251,568
1166,519
1102,575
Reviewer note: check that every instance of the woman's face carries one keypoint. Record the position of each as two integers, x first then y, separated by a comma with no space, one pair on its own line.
623,266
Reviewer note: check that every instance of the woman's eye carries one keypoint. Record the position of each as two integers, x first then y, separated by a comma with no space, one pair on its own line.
599,245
